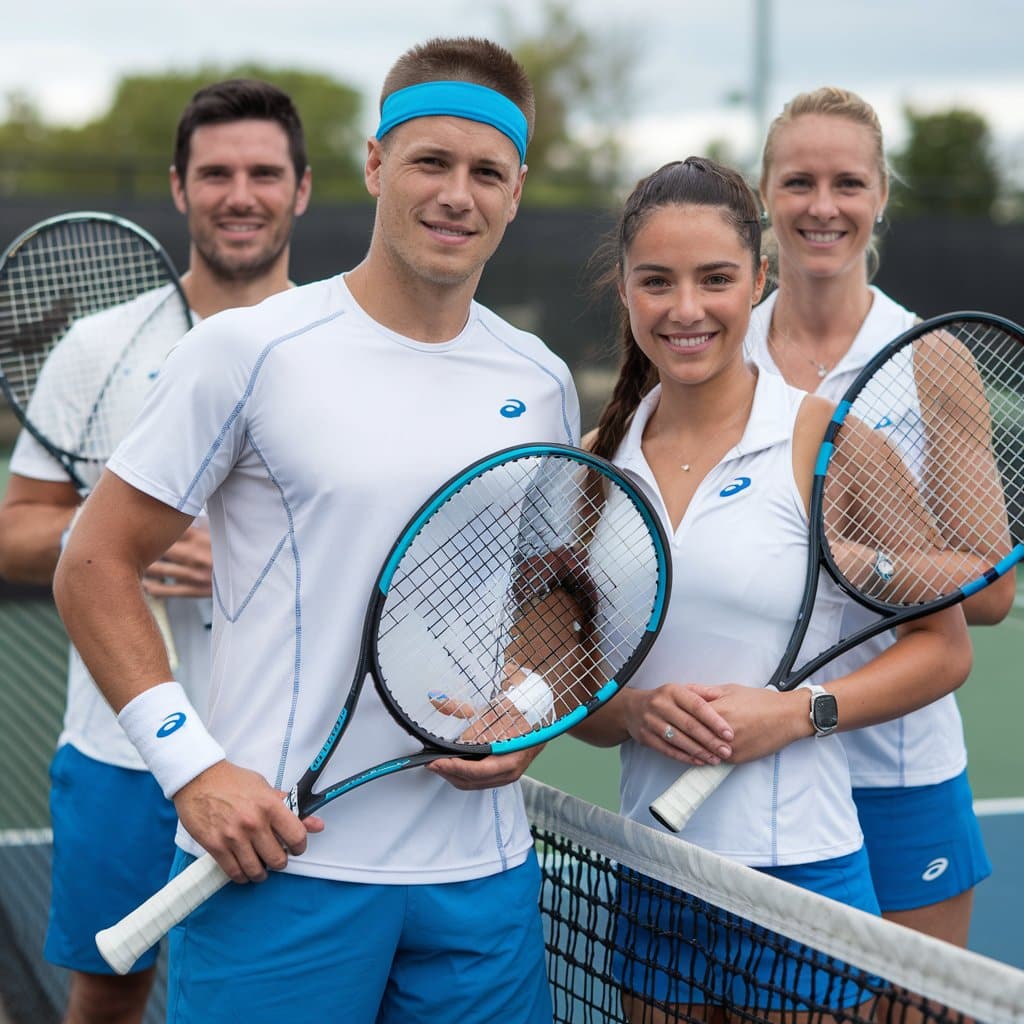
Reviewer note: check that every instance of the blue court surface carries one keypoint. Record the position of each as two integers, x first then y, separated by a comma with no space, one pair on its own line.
999,901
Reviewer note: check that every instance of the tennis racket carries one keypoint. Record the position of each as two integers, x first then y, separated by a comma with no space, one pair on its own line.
90,304
917,496
519,599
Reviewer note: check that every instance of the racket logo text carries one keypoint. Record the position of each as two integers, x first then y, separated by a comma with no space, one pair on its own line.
741,483
372,773
171,724
329,745
512,408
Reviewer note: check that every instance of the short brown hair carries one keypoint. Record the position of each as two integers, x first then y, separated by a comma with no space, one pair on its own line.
464,59
240,99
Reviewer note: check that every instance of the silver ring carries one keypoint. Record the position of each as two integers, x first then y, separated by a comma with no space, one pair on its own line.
669,733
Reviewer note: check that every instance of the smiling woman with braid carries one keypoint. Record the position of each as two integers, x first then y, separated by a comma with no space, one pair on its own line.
726,452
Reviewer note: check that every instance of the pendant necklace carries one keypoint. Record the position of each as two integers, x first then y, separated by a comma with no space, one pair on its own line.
822,369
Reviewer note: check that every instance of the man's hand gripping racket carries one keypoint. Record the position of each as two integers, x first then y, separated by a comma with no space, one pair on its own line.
90,304
918,497
519,599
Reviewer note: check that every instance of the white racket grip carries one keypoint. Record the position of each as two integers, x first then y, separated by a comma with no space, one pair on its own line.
123,943
676,805
158,609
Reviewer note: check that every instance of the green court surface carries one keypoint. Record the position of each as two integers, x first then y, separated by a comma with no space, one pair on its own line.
991,701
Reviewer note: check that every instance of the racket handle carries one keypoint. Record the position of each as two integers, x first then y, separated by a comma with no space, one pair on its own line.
158,609
676,805
123,943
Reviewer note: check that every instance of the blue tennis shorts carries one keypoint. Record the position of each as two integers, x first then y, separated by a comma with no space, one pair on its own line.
688,955
113,844
312,949
924,842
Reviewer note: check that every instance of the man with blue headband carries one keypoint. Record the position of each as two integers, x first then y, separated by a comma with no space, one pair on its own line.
312,427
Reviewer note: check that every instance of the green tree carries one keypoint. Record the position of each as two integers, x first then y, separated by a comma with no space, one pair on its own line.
583,92
947,166
128,148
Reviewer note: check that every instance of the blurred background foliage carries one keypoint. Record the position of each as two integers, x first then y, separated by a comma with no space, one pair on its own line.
585,94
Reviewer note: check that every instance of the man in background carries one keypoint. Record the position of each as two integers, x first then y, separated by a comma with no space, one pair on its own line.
240,178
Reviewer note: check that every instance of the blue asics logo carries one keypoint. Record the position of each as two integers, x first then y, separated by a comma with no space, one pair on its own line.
172,723
741,483
512,408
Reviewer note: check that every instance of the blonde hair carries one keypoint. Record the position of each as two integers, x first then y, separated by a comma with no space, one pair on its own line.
830,101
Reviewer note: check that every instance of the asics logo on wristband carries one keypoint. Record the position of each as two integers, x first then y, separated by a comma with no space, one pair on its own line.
171,724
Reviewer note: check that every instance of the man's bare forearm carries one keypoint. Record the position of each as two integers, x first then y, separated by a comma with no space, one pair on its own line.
33,517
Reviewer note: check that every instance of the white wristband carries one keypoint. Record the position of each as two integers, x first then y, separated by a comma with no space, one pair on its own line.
533,699
168,734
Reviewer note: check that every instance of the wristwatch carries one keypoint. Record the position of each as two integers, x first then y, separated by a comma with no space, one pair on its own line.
824,711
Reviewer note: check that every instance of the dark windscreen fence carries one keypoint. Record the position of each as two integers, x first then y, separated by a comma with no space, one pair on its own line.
33,664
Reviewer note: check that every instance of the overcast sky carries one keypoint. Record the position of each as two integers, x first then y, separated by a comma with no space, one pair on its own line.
691,56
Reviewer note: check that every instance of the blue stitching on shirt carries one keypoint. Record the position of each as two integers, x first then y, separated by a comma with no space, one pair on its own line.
776,766
500,842
246,395
901,730
296,679
248,597
540,366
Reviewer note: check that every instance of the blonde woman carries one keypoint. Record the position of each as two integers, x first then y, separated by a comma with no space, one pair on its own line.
825,185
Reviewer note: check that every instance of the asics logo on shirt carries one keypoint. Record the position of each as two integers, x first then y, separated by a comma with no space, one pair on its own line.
171,724
512,408
936,869
741,483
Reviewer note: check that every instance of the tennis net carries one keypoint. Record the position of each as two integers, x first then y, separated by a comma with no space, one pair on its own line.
642,927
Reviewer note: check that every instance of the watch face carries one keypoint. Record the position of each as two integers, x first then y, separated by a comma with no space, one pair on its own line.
825,713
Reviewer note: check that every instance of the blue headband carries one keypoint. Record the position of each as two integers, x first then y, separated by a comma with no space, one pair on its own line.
455,99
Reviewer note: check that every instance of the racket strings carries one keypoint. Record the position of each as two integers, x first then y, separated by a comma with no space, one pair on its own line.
922,494
87,309
499,619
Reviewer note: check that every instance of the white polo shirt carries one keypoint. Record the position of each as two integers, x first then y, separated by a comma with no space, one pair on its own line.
926,746
739,560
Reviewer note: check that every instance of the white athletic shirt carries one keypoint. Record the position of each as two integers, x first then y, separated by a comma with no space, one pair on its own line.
63,414
739,561
312,434
926,746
